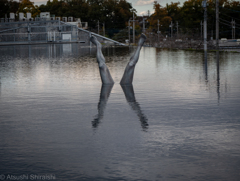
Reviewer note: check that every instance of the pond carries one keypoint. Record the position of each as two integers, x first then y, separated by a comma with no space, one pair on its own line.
179,121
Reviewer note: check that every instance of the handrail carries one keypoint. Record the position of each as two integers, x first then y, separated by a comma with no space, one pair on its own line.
95,34
10,29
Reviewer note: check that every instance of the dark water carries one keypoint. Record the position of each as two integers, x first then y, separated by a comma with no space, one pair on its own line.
179,121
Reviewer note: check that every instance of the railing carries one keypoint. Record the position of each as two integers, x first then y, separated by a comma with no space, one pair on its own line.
89,34
46,31
37,31
37,37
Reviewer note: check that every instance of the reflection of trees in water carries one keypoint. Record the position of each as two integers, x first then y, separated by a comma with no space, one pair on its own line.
212,72
46,51
0,87
72,60
215,77
116,54
59,53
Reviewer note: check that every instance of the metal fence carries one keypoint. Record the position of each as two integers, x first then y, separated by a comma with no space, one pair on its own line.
46,31
38,37
38,31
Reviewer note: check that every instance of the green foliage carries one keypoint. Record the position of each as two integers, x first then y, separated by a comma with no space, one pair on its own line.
8,6
27,6
160,14
191,14
115,13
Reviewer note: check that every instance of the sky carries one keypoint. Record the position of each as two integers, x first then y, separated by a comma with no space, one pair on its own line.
142,6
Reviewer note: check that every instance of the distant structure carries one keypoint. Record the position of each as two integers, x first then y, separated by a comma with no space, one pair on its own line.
45,15
45,28
12,17
21,17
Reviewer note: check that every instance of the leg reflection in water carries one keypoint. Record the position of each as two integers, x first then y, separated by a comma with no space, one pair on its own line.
130,97
104,95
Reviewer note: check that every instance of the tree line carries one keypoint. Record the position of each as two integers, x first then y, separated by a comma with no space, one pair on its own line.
115,14
188,17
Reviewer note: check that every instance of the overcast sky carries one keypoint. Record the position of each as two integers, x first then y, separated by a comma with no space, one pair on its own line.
142,6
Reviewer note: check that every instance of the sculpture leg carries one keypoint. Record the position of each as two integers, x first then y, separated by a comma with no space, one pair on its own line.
104,72
129,70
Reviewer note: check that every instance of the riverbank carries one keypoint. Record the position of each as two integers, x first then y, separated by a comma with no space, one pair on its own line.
163,45
191,44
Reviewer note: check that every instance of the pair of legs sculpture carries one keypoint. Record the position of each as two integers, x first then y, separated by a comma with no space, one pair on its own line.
126,83
129,70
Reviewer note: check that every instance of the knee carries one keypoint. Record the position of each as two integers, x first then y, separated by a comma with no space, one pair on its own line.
131,64
102,65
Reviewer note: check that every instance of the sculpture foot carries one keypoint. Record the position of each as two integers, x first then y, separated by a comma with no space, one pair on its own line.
94,40
142,40
135,57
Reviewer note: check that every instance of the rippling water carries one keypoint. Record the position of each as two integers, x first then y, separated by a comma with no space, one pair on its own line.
179,121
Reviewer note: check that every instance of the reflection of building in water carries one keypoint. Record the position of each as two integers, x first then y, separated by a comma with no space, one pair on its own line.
45,51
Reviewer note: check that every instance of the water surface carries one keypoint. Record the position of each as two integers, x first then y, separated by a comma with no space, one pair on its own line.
179,121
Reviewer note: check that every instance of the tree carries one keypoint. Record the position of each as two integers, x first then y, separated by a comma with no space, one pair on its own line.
191,14
160,14
27,6
4,8
173,11
8,6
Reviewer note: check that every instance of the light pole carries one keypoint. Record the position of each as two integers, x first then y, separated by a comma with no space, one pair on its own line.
204,4
133,29
103,29
217,24
144,24
158,30
98,26
233,29
177,29
171,26
129,32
